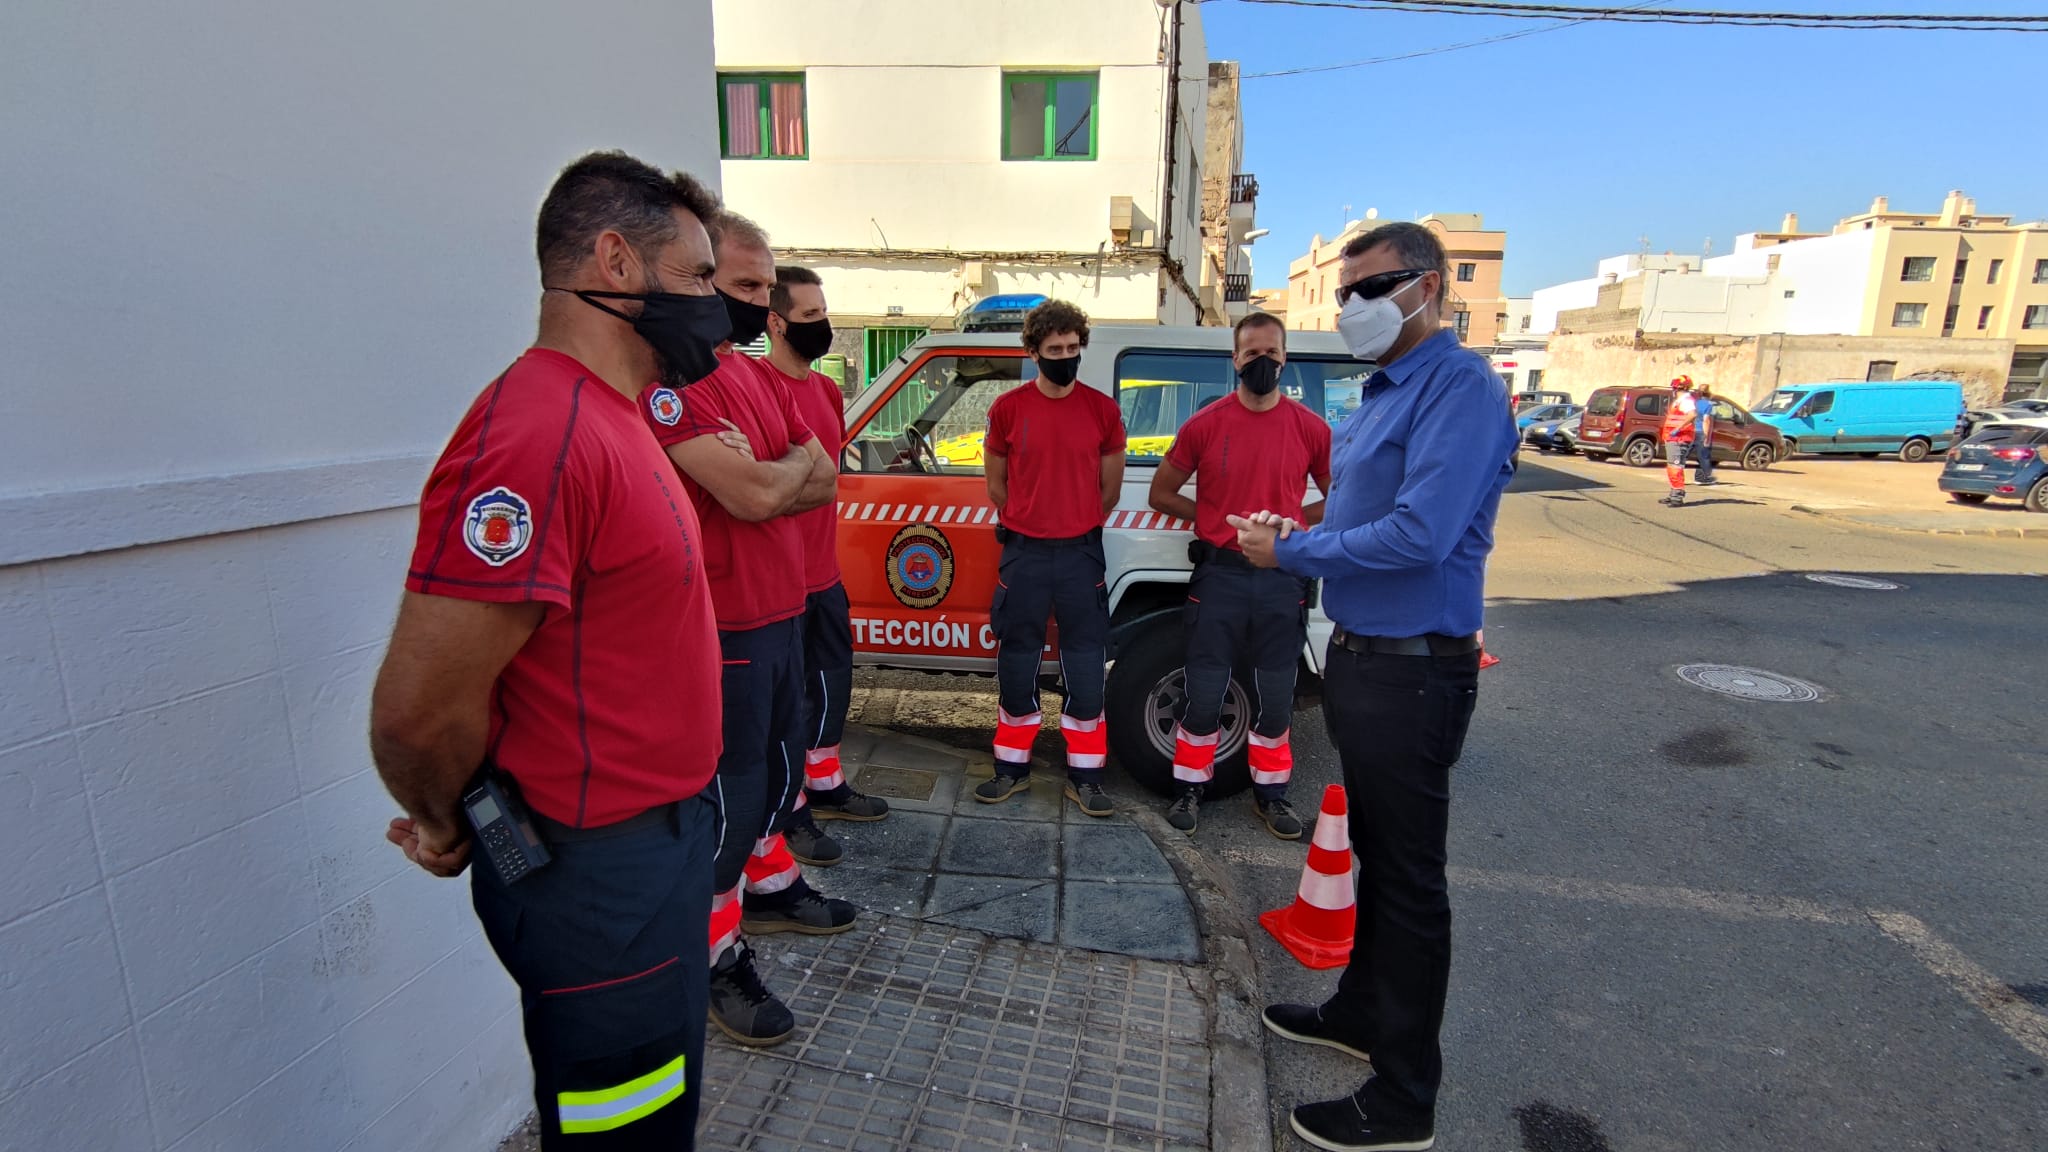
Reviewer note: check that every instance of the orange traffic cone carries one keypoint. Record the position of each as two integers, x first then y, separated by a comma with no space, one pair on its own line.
1317,926
1486,659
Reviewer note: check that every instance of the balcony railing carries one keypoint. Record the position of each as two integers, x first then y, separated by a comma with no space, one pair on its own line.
1237,287
1244,188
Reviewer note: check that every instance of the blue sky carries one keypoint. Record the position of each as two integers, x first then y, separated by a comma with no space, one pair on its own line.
1579,142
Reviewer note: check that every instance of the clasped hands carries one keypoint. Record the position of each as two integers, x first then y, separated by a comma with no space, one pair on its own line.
1257,533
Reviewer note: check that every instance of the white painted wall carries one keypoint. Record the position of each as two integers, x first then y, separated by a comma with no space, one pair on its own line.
1546,303
1829,276
271,251
905,105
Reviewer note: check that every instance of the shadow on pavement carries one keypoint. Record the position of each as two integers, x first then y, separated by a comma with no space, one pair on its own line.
1532,476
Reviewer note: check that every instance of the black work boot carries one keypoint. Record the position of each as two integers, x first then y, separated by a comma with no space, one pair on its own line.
1000,787
1089,797
801,908
843,803
1280,817
743,1007
809,844
1184,812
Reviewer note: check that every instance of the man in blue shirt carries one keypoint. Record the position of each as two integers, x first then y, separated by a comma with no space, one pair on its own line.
1416,477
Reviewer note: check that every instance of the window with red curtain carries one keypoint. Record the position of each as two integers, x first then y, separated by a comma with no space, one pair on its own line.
761,117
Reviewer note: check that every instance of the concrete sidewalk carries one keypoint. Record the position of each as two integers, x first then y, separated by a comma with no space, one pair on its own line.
2004,518
1022,976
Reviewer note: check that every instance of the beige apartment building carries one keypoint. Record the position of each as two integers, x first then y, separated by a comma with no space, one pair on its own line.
1476,308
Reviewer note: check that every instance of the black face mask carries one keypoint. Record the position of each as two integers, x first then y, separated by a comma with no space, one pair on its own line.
809,339
1260,376
748,320
684,331
1059,372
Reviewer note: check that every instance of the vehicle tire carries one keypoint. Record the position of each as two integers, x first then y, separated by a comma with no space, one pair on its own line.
2037,498
1791,448
1640,453
1759,456
1968,497
1914,451
1142,703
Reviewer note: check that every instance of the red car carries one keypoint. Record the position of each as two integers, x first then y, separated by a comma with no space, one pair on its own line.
1626,422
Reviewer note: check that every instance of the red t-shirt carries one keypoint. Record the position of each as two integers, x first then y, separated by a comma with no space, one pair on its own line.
1055,450
1245,462
756,567
823,411
552,491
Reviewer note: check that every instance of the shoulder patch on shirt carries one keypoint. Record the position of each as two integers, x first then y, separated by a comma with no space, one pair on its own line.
499,526
666,406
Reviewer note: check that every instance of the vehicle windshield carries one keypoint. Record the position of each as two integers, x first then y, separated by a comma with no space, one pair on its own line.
1779,402
1603,404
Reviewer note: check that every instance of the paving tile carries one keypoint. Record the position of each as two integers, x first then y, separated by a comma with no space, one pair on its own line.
1118,852
873,887
1153,920
904,840
900,787
1041,802
954,1124
1000,906
1001,848
902,754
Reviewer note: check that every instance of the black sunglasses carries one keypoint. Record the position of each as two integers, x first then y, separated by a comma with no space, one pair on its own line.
1374,287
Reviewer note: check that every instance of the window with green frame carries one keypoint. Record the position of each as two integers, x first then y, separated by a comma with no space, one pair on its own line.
762,116
1049,115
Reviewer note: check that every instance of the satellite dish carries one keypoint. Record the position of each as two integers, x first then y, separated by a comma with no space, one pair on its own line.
1372,213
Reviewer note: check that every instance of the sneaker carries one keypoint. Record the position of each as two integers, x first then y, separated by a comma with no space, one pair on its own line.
1280,818
744,1008
808,912
1674,500
847,805
1090,796
1342,1125
1000,787
810,845
1182,814
1304,1024
1708,481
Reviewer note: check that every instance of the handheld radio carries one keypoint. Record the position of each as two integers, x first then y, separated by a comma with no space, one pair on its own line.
504,826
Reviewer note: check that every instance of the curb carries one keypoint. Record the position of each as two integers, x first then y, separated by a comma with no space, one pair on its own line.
2007,532
1238,1118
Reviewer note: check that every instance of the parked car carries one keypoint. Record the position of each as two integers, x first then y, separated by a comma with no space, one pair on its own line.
1544,414
2009,461
1910,417
2009,412
1626,422
1555,435
1531,399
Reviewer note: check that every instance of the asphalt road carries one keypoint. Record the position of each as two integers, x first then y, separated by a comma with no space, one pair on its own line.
1688,921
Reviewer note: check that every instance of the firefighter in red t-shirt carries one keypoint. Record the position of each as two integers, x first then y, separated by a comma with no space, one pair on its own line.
755,555
556,642
800,331
1055,456
1252,450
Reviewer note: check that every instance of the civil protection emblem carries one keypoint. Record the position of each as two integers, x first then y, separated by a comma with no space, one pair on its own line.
919,564
666,406
499,526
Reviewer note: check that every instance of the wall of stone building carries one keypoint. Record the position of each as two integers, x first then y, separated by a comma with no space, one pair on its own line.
259,259
1747,368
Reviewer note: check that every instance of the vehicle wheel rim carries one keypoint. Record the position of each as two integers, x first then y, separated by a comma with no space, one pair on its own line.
1162,710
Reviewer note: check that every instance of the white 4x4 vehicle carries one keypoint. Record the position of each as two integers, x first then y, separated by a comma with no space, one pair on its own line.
917,532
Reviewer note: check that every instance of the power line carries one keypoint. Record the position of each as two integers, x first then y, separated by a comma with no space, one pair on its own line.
1421,52
1922,22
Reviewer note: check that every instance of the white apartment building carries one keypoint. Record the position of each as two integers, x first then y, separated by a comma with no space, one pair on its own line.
1546,303
926,156
259,260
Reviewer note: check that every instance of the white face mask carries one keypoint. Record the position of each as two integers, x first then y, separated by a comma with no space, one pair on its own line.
1370,327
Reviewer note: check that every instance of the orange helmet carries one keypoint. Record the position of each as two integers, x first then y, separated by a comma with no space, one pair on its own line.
1682,382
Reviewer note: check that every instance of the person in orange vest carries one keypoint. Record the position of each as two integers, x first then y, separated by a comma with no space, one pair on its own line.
1679,431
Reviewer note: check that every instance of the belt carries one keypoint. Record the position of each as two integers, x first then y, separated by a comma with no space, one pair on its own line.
1226,557
1434,644
556,832
1005,535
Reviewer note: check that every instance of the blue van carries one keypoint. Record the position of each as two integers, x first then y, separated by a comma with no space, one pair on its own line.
1909,417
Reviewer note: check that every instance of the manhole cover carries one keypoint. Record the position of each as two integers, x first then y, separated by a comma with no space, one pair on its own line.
1865,583
897,783
1748,683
